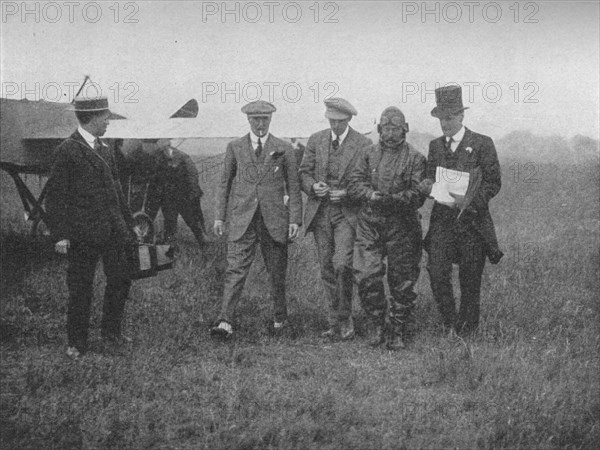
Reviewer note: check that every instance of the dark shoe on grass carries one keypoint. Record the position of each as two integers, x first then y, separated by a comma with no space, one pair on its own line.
347,329
378,336
221,331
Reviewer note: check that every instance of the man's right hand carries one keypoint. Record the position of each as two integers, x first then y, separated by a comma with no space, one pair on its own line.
62,246
218,227
425,187
376,197
320,189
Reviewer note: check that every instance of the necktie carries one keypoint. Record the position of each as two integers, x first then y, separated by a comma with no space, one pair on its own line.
258,150
335,144
97,145
448,145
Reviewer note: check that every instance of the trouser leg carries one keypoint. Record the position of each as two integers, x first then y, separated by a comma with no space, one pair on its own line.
118,284
404,255
240,255
441,254
275,255
369,269
471,264
343,236
194,219
323,234
170,215
80,282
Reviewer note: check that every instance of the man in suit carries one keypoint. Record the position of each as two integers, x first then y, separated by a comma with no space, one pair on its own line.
330,214
90,220
460,232
169,180
258,170
386,178
175,189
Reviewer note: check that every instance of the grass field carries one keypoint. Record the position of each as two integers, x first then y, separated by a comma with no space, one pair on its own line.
529,379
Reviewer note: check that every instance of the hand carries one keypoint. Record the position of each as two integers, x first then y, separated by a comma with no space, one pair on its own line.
320,189
425,186
376,197
293,229
62,246
218,227
458,199
286,200
336,195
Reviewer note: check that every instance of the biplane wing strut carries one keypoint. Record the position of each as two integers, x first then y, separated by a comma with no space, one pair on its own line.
34,212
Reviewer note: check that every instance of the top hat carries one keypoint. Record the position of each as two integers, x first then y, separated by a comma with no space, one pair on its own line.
448,100
339,109
259,108
90,104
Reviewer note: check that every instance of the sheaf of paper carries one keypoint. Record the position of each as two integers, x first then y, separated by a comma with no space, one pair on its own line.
449,181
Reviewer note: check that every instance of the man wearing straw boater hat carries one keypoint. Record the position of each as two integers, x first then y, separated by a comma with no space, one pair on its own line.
90,220
258,171
330,214
461,232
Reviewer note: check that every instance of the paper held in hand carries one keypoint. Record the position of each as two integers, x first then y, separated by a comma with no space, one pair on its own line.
449,181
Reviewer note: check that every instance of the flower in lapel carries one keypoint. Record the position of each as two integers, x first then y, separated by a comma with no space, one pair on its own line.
276,154
469,149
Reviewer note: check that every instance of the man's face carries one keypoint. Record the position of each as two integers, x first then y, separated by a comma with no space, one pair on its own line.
451,123
99,124
338,126
259,125
392,135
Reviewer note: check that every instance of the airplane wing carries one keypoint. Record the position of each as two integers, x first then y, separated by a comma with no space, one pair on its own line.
187,111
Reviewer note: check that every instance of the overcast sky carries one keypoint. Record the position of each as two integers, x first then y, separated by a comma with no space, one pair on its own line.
526,65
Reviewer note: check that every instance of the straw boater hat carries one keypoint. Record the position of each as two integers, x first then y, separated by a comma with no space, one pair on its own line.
448,100
90,104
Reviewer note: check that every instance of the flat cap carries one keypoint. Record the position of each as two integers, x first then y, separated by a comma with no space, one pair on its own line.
259,108
90,104
339,109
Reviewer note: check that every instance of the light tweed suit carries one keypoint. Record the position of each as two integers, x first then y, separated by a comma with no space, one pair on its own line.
254,188
333,225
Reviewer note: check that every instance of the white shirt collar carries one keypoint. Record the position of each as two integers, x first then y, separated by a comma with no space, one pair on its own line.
89,138
254,140
457,138
341,137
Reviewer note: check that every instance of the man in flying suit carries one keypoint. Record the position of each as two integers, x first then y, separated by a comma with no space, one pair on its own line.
385,179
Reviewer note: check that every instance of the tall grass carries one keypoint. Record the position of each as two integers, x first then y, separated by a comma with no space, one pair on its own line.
529,379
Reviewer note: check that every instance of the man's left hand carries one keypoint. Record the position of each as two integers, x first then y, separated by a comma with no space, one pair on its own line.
293,229
459,200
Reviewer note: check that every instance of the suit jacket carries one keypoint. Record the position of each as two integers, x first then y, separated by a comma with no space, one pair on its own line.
314,169
482,163
249,182
84,199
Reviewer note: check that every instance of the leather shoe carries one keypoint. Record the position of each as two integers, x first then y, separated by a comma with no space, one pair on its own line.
332,333
347,329
73,353
395,342
223,330
378,336
279,328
